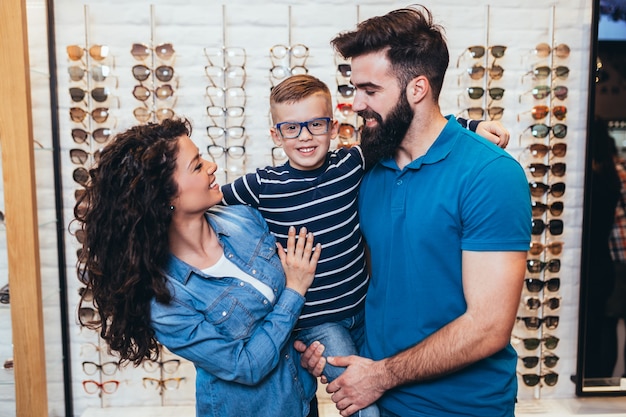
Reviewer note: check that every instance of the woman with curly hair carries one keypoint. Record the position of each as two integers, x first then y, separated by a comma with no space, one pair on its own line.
166,264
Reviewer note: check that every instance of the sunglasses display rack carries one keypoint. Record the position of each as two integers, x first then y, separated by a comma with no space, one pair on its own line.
349,121
543,160
155,73
154,70
226,74
483,93
92,83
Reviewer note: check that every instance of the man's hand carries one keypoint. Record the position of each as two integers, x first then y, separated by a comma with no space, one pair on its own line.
361,384
494,132
311,358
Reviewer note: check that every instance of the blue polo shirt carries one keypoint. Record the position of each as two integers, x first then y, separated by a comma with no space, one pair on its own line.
464,194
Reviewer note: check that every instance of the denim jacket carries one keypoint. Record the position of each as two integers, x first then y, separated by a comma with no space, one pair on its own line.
239,342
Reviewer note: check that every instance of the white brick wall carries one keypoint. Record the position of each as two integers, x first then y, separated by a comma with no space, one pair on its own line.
257,26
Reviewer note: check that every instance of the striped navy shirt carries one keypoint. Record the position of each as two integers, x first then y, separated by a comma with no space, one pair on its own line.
325,202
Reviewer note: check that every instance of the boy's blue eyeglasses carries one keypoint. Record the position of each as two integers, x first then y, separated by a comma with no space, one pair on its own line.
291,130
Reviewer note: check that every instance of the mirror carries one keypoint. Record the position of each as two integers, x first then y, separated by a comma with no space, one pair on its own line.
601,350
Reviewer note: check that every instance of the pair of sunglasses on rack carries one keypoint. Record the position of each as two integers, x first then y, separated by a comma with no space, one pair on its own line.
346,90
549,361
476,72
344,111
539,170
543,50
345,70
162,92
478,51
536,248
539,150
534,303
347,131
144,115
97,52
544,71
532,380
542,111
555,208
99,94
80,156
495,93
542,130
162,73
100,135
141,51
536,285
532,343
538,189
540,92
99,114
98,73
537,265
494,112
534,323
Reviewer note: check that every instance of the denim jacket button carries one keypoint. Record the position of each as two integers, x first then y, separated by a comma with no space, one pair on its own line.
265,302
230,255
241,284
223,313
254,272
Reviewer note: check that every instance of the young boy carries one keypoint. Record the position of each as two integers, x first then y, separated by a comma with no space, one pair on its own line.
317,189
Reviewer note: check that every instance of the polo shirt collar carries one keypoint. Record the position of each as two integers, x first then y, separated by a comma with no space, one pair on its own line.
437,152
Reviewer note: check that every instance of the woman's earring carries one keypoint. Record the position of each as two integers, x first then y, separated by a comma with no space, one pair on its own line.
172,208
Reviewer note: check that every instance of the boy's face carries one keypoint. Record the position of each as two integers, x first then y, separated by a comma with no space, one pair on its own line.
305,152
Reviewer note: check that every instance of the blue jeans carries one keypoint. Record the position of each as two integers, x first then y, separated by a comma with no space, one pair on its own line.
341,338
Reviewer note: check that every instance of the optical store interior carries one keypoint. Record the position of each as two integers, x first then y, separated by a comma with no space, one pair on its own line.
76,73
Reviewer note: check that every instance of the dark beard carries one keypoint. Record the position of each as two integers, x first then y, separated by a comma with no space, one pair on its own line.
382,141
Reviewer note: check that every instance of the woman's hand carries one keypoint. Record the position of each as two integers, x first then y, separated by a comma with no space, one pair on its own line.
300,260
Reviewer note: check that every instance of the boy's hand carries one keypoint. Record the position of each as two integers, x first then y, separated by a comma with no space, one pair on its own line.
494,131
311,358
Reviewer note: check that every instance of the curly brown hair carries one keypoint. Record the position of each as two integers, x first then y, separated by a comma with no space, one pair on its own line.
124,215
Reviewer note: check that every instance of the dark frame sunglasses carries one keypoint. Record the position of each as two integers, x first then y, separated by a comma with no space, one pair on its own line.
536,285
537,265
534,322
538,209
